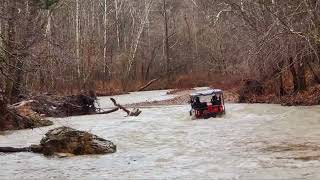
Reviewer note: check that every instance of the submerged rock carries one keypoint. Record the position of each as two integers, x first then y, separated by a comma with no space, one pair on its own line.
70,141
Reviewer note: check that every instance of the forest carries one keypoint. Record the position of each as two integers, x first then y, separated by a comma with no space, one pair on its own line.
138,72
65,46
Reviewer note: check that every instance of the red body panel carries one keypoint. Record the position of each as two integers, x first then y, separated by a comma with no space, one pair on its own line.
211,111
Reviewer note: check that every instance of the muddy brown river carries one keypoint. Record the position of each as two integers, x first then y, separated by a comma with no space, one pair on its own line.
253,141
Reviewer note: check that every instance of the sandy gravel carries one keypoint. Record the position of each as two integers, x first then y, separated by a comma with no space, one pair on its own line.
183,98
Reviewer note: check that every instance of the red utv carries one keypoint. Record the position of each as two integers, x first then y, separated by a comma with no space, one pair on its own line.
207,104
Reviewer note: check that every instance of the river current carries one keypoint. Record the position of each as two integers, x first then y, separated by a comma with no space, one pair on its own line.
252,141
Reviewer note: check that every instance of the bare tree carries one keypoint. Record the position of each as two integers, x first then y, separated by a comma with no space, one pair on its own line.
65,46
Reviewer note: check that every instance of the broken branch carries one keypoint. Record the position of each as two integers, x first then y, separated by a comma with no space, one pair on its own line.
135,112
147,85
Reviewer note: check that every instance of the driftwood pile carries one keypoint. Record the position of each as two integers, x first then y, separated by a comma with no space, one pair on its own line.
19,116
29,112
82,104
53,106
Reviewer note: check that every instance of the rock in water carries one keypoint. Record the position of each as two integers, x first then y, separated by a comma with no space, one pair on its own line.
69,140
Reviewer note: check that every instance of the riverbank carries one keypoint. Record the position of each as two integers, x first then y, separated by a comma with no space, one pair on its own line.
58,106
308,97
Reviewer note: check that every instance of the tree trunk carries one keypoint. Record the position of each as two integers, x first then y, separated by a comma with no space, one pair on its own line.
315,75
152,57
294,75
117,22
105,45
166,40
17,84
78,43
301,76
11,47
281,86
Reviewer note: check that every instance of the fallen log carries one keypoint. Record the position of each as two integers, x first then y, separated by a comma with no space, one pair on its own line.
21,104
109,111
134,112
13,150
147,85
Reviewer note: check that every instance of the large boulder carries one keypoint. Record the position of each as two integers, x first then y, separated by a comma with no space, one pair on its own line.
70,141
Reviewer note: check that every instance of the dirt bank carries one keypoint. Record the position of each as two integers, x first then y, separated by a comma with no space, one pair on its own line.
256,92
